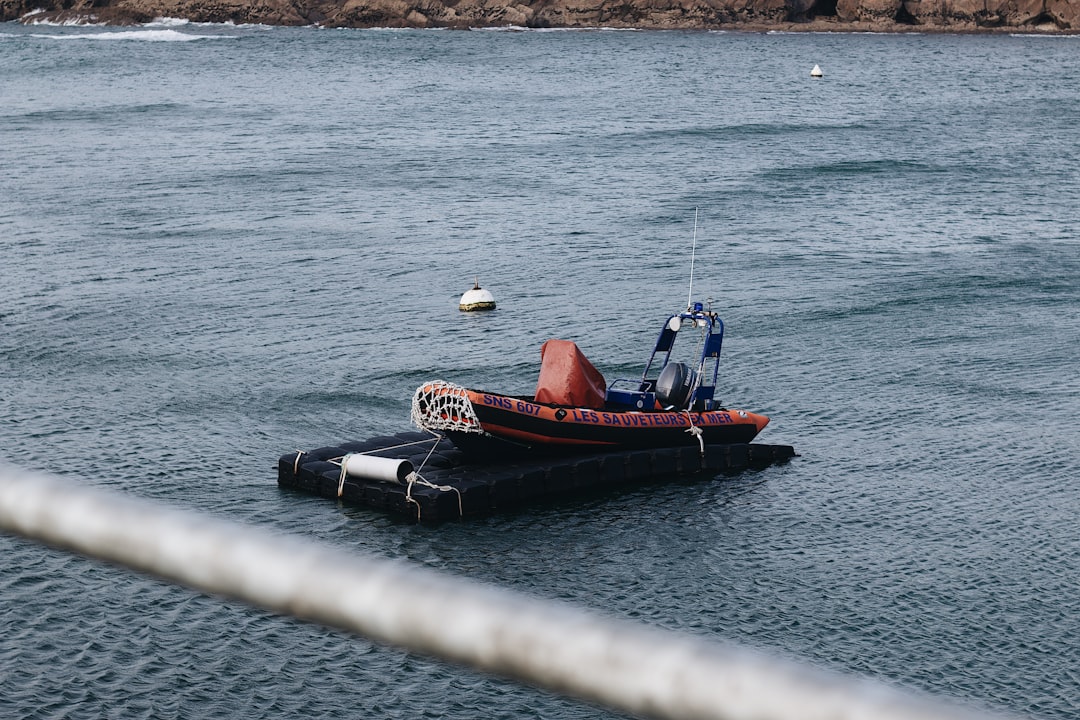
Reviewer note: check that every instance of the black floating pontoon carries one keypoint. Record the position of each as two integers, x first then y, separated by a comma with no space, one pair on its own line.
449,486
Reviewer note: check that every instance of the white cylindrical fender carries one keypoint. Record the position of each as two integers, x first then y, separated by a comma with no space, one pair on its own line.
370,467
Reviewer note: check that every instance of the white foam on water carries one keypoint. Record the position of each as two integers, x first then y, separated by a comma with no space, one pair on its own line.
70,22
144,35
1071,36
172,22
522,28
167,22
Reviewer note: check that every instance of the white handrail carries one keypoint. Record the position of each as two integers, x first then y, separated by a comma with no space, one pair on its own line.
619,664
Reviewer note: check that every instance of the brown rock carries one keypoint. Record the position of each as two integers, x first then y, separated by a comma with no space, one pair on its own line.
868,10
1064,13
880,15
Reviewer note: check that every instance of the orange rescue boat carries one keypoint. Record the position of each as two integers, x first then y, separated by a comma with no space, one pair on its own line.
574,410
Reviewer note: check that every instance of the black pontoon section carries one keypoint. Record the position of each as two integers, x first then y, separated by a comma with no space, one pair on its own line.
447,486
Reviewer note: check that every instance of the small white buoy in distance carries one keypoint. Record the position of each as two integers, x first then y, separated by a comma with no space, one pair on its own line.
816,72
476,299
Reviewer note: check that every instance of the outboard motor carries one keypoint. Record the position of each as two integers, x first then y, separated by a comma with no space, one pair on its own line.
676,382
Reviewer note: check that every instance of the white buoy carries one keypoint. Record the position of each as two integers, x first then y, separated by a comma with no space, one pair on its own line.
816,72
476,299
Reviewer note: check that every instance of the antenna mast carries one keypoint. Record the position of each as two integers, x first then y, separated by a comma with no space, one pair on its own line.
693,253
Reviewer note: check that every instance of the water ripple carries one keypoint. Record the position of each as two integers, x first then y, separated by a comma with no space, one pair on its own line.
221,252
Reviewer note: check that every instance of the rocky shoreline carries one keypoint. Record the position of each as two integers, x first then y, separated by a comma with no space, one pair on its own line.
893,16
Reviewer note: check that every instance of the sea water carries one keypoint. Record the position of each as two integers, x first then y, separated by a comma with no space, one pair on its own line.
223,243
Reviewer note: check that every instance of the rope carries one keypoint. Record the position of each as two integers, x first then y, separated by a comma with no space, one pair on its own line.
415,478
438,439
696,432
341,477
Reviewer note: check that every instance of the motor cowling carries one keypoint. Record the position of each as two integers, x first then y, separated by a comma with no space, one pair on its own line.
675,384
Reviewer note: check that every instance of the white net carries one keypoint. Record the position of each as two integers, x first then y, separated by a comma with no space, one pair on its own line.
439,405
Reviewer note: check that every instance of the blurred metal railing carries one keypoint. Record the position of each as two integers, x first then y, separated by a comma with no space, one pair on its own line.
622,665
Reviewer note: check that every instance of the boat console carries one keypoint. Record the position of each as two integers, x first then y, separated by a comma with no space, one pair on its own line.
675,385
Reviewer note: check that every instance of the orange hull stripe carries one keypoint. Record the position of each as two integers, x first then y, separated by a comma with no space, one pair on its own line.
607,418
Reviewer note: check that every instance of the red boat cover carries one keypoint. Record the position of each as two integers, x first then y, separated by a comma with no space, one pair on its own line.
568,378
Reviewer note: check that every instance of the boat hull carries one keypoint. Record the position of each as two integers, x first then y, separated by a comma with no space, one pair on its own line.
514,422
